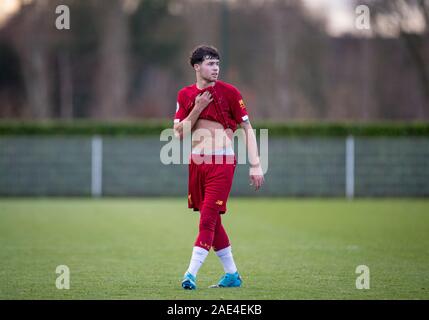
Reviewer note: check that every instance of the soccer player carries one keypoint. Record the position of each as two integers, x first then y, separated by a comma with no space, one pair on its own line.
212,109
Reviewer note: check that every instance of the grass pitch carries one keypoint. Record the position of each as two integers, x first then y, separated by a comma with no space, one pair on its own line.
284,248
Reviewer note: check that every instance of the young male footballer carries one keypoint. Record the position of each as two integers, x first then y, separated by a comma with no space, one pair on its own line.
212,109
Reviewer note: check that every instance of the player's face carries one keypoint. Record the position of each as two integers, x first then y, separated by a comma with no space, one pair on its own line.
209,69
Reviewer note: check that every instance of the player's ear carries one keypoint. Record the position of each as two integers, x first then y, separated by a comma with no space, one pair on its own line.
197,67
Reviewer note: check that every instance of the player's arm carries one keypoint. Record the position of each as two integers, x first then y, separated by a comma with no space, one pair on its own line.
256,174
201,102
239,113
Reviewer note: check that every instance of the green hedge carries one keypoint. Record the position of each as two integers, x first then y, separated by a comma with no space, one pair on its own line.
154,127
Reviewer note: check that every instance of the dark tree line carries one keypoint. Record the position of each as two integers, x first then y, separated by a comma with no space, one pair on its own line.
125,59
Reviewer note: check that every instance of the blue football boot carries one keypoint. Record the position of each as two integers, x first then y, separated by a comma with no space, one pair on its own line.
189,282
229,280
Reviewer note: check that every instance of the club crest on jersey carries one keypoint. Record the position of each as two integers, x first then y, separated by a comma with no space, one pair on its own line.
219,202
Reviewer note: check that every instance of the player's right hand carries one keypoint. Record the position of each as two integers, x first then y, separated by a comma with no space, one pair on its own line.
203,100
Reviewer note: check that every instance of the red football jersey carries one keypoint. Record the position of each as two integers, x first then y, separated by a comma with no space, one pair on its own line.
227,106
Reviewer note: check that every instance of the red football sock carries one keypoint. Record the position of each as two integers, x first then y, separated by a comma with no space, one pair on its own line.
208,219
221,240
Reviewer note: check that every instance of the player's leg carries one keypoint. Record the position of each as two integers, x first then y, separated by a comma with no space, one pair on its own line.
202,245
231,278
222,247
221,240
198,255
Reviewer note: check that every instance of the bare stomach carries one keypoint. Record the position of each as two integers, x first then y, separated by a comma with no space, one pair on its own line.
209,135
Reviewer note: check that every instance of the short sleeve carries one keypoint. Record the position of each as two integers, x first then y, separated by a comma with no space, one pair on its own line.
181,109
239,111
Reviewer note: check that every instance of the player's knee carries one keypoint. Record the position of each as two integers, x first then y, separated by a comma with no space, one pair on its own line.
209,219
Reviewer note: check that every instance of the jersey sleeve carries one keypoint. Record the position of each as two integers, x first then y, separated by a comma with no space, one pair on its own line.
181,108
239,111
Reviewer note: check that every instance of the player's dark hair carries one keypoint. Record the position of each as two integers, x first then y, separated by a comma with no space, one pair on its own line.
202,52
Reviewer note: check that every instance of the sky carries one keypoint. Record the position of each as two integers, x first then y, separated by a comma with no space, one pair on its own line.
7,7
339,13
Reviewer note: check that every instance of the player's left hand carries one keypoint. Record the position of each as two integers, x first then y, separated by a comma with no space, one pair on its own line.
256,177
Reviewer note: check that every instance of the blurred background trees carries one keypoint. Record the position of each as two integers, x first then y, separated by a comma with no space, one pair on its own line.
126,59
407,21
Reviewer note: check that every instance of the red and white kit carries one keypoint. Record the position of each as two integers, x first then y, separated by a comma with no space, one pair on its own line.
211,175
211,183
